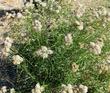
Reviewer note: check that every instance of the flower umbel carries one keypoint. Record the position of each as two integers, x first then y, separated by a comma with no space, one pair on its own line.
68,39
3,89
37,25
96,47
44,52
12,90
17,60
79,25
38,89
83,89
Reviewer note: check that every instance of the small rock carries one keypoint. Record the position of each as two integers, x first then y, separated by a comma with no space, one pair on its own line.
11,4
19,15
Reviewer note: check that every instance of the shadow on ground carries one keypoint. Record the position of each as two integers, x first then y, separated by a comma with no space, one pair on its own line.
7,74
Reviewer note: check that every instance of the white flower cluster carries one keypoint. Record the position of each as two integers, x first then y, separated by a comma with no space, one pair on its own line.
44,52
80,10
96,47
80,25
68,39
12,90
38,89
4,90
55,7
74,89
102,11
37,25
7,45
105,66
75,67
17,60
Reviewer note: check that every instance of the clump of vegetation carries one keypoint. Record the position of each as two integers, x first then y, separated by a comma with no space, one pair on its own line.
54,45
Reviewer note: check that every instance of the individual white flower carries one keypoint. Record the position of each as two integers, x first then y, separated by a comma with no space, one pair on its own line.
44,52
68,39
80,25
4,89
37,25
84,89
17,59
12,90
38,89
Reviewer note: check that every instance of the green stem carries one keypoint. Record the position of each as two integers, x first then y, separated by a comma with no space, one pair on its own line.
26,70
